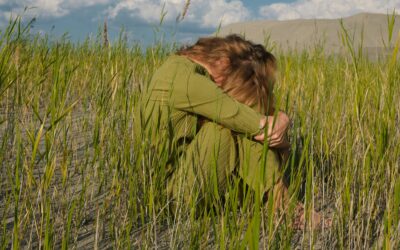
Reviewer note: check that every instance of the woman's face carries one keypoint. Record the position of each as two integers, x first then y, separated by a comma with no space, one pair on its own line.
217,78
217,71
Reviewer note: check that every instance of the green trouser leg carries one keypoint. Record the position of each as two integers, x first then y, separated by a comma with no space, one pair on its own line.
206,166
258,166
210,160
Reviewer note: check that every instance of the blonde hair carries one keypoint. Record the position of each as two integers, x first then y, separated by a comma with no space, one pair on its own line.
250,73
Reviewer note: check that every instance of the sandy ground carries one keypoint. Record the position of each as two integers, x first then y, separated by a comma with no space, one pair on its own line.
370,30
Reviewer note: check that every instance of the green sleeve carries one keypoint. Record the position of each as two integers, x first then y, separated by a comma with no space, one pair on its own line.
196,93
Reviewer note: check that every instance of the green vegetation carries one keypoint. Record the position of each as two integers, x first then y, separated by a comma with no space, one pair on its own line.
74,174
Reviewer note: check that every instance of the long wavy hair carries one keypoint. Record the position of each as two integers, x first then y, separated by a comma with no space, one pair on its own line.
249,74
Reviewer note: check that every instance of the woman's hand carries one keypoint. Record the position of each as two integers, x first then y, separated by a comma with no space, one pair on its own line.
277,128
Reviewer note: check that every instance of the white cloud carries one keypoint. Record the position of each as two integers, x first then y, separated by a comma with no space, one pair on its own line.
42,7
147,9
215,12
50,8
326,9
206,13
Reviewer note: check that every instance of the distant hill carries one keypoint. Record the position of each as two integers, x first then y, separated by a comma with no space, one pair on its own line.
307,33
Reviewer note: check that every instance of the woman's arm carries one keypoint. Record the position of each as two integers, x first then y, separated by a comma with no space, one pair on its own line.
196,93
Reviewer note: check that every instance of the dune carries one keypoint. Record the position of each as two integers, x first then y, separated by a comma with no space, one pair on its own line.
366,30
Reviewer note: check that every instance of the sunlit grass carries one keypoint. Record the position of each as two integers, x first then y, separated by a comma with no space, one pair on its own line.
74,173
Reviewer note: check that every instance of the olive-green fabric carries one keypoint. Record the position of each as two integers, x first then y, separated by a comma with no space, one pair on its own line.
213,157
181,92
206,166
258,165
178,94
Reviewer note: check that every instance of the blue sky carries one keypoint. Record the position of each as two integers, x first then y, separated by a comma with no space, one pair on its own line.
140,18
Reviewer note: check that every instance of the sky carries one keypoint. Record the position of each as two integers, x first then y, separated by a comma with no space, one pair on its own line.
140,19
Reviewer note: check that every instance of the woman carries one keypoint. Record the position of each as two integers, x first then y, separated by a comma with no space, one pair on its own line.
250,78
188,108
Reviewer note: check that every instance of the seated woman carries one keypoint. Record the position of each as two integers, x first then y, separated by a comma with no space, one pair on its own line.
216,152
208,105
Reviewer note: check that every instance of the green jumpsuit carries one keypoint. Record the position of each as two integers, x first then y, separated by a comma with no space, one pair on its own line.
202,158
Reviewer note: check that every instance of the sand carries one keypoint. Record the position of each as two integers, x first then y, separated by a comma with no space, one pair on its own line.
366,29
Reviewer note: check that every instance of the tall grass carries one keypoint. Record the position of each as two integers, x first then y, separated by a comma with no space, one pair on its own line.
75,174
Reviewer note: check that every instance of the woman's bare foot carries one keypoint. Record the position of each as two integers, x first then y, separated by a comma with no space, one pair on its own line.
281,201
318,222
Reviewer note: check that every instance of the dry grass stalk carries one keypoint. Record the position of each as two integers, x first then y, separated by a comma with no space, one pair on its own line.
182,15
105,34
